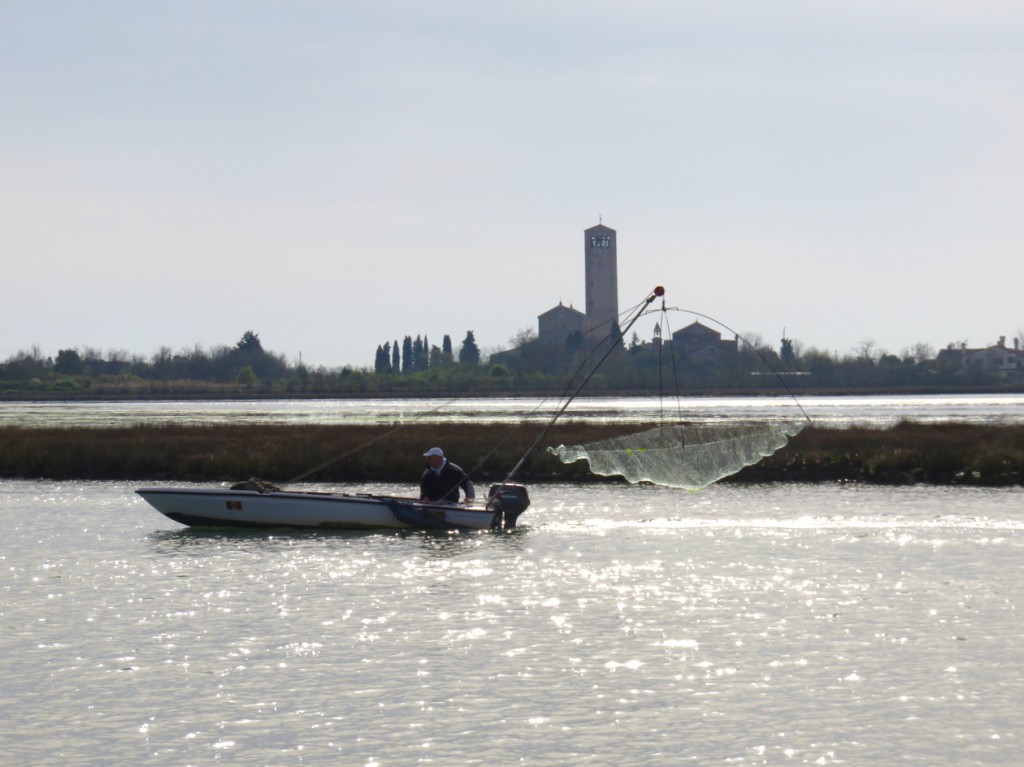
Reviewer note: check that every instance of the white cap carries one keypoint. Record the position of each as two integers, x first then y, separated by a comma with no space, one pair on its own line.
434,451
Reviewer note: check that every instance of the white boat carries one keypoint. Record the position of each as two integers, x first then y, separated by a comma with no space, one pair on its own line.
256,504
666,455
253,508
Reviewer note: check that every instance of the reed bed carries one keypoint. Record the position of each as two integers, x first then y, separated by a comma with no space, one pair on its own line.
907,453
937,453
280,454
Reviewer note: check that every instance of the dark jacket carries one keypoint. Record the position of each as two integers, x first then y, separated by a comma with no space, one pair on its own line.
444,485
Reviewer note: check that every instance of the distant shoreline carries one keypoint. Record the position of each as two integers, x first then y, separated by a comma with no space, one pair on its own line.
954,454
99,395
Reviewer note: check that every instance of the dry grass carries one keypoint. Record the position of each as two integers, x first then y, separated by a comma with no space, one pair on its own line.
279,453
933,453
943,453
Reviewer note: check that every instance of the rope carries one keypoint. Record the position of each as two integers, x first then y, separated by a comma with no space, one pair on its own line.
675,371
756,351
615,342
565,391
365,445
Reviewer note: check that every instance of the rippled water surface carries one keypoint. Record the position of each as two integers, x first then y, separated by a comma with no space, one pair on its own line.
617,626
824,411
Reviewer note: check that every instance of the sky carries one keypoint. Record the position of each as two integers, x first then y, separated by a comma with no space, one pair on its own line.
336,175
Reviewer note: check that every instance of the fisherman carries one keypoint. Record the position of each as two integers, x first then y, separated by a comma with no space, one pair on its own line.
442,479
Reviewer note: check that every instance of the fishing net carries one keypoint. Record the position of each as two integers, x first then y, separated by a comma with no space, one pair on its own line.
689,457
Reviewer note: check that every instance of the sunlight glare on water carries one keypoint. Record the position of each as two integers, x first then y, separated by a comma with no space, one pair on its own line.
874,410
618,625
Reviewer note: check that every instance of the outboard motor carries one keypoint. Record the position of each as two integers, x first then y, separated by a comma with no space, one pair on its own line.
511,500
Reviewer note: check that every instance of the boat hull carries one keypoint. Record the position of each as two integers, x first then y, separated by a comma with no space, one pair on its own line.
217,507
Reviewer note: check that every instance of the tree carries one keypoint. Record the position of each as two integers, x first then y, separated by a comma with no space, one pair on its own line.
786,349
523,337
615,333
69,362
247,377
821,365
469,354
408,361
419,354
382,362
447,356
250,342
867,351
163,363
919,352
423,360
396,359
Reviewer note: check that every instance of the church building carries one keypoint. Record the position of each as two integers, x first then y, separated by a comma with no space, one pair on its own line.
601,280
557,325
562,329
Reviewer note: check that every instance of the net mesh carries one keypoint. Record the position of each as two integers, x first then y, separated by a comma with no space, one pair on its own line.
681,456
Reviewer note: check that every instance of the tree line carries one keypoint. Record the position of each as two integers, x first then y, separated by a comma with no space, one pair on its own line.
245,362
415,365
417,355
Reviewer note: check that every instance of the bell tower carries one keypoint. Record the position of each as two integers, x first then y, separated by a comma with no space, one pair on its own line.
602,282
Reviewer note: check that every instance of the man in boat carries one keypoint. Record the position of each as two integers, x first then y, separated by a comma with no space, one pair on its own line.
442,479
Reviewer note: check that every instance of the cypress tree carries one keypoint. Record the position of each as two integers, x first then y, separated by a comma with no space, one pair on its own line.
420,351
469,354
407,359
417,354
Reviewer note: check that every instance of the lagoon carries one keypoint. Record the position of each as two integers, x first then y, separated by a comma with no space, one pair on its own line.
830,411
767,625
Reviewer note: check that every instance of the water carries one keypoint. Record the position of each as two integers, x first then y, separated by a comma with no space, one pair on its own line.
764,625
882,410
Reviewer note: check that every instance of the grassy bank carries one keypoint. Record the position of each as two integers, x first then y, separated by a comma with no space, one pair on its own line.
929,453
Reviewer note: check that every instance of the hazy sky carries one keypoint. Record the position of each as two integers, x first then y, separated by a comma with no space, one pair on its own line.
334,175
